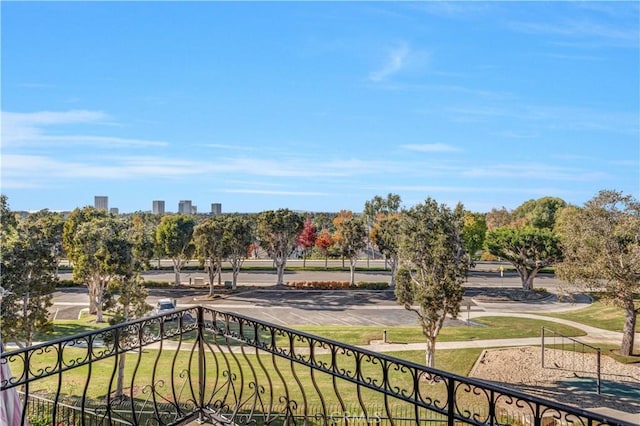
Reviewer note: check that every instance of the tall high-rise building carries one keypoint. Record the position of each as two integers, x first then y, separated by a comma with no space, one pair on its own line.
184,207
216,208
114,210
158,206
101,202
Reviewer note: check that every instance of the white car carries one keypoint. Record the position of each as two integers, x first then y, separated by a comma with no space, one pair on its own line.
164,306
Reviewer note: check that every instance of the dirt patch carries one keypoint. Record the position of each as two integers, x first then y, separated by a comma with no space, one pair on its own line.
568,377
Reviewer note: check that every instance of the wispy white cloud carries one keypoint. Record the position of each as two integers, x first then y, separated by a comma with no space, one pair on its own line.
624,163
456,9
534,171
447,88
41,169
272,192
430,147
290,166
575,57
397,60
229,147
511,134
553,117
31,129
574,29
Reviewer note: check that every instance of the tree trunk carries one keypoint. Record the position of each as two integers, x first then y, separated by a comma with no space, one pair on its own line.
91,286
99,299
628,330
304,259
211,270
431,352
121,361
394,266
234,278
120,380
326,260
280,264
527,276
352,271
176,271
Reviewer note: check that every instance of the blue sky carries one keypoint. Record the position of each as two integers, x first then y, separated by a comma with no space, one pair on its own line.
318,106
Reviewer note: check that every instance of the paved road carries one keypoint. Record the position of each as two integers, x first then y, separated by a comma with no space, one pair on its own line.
299,308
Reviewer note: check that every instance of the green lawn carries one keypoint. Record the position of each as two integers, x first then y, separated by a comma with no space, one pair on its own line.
487,328
490,328
599,314
64,328
149,366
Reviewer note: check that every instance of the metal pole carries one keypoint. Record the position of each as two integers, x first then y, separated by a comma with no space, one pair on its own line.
201,363
598,382
542,355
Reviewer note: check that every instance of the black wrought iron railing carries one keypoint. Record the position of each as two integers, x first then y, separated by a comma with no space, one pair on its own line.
219,367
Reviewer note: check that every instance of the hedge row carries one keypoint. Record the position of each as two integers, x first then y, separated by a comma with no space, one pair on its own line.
334,285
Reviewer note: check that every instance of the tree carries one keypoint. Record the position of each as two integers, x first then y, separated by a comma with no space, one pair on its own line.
353,241
208,237
385,235
323,221
131,304
498,218
174,239
474,232
27,277
601,245
540,213
527,248
8,220
528,241
433,268
101,252
323,242
51,225
341,217
277,231
237,237
307,239
375,212
143,229
69,233
378,205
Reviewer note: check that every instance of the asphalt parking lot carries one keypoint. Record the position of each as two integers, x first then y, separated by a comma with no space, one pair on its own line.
258,297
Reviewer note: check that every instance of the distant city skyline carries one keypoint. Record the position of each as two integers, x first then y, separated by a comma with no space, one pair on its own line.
317,106
101,202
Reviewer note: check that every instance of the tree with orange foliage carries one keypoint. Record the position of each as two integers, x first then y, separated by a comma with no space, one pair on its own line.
323,242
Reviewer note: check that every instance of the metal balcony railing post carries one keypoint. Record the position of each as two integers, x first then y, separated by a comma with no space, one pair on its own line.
201,362
451,395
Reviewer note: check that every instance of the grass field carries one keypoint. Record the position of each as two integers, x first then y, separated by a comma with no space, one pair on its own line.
599,314
489,328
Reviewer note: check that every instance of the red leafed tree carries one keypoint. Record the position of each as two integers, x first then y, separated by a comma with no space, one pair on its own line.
307,239
323,242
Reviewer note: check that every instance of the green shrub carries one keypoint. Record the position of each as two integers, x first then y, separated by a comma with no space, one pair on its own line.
67,283
156,284
40,420
379,285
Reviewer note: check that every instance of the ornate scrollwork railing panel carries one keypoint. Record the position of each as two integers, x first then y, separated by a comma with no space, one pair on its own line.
198,362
